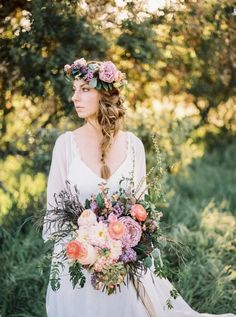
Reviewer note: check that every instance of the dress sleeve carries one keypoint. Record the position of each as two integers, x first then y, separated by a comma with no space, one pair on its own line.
55,182
141,168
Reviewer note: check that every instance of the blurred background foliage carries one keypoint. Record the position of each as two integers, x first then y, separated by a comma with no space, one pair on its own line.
180,61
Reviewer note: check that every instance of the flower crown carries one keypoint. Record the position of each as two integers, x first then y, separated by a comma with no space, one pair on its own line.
99,75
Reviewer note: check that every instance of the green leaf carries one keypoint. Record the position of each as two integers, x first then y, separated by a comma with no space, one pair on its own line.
93,83
87,203
155,253
105,86
110,86
92,67
55,284
99,85
100,201
76,275
148,262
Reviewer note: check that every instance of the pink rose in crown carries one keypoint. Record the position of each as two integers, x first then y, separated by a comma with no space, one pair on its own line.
133,232
138,212
107,72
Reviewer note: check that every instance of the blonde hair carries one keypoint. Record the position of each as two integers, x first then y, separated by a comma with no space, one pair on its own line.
110,117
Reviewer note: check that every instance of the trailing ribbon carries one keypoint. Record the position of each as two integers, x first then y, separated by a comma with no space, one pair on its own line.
145,298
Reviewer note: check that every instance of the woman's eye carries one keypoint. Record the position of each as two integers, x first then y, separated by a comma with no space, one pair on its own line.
84,89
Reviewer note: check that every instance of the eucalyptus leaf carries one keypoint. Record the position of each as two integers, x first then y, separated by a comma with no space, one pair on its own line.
99,85
93,82
156,253
87,203
148,262
99,201
104,85
92,67
110,86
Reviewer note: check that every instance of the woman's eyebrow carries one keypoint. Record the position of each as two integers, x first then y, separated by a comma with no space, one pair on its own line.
80,85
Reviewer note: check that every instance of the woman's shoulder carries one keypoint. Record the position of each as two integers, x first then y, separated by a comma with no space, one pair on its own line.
62,139
136,140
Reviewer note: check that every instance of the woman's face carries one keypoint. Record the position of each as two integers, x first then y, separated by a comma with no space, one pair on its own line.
85,99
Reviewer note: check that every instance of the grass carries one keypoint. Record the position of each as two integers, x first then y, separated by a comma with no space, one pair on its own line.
201,214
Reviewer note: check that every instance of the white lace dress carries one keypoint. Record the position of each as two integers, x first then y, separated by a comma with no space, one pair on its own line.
87,302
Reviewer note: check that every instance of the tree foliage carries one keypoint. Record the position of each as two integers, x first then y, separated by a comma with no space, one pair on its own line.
184,51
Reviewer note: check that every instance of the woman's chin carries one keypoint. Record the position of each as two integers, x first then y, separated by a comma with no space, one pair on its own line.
81,115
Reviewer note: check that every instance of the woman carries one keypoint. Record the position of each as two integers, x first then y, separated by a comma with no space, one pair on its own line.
100,152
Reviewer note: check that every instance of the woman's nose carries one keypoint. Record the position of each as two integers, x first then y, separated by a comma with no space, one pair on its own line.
76,95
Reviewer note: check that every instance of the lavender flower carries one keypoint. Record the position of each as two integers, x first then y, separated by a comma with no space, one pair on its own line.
94,206
83,70
118,209
128,255
103,219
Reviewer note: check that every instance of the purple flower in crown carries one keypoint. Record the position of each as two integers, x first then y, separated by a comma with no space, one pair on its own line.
80,62
73,67
83,70
118,209
128,255
88,76
107,72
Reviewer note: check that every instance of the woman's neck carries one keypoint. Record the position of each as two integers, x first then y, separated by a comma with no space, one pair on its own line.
94,129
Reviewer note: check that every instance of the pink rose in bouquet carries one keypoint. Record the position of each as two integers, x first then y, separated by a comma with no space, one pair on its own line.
138,212
89,257
133,232
87,218
75,249
116,229
83,253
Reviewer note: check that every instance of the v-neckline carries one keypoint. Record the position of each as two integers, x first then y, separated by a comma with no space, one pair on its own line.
91,171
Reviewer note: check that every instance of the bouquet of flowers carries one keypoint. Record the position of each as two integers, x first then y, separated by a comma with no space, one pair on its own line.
112,237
